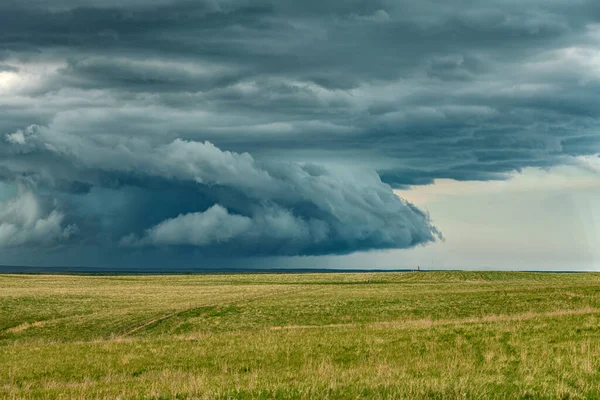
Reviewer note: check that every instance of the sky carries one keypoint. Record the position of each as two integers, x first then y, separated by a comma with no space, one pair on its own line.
316,134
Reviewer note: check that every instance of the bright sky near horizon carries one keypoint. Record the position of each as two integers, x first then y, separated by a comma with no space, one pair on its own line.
536,220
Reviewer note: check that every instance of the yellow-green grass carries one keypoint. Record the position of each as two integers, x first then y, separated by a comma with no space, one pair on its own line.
381,335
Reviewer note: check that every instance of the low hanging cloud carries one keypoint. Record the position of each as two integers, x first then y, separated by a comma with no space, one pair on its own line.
214,225
235,205
26,221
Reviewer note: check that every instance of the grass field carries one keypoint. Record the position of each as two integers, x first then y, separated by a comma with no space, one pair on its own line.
385,335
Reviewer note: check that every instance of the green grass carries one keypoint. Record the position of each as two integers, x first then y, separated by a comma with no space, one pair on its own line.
443,335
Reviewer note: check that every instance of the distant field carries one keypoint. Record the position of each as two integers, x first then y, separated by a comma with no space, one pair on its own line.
439,335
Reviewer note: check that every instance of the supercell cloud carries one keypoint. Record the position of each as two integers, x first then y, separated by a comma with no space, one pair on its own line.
224,202
277,128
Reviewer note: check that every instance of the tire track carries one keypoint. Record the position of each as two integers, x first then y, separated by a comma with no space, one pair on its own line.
189,309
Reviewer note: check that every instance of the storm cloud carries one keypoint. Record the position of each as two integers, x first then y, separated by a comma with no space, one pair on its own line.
26,221
236,203
281,128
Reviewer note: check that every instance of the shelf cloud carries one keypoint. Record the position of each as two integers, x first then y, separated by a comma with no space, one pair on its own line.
226,202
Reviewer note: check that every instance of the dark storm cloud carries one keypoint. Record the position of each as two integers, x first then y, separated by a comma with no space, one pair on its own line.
235,205
105,105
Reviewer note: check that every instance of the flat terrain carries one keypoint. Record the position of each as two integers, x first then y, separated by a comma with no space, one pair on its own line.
384,335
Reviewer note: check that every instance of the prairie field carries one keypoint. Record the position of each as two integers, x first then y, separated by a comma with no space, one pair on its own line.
444,335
